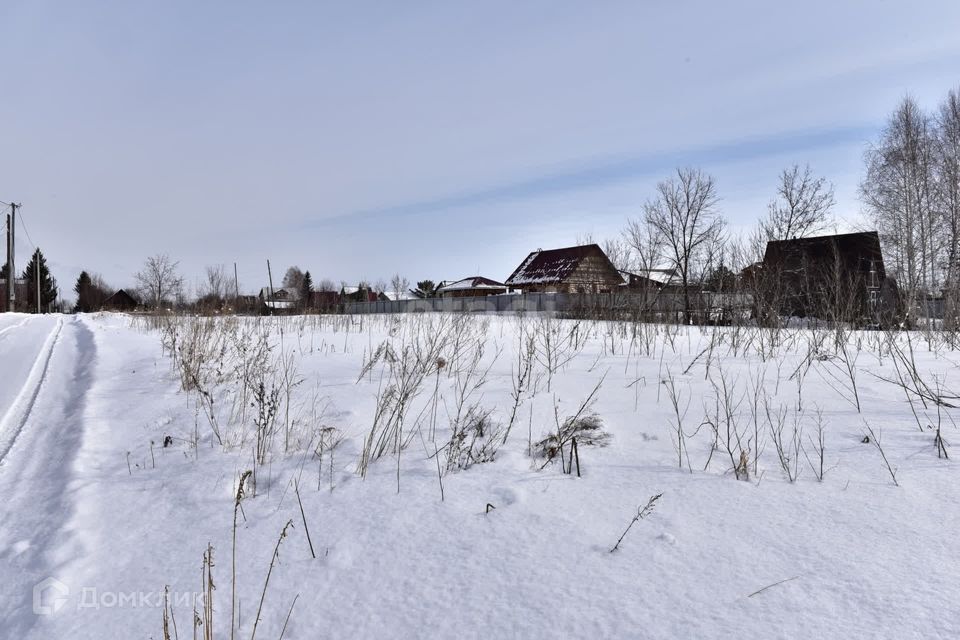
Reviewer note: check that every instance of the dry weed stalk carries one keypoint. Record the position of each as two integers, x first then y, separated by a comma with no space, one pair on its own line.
788,445
244,477
819,447
522,378
585,426
679,439
266,582
874,439
642,512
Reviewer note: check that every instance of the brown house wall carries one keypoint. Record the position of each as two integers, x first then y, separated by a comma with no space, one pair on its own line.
592,275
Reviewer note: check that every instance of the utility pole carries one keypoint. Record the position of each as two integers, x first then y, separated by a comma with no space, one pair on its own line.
270,277
11,245
36,263
6,294
236,290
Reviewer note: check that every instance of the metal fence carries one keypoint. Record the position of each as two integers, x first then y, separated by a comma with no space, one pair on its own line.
479,304
665,306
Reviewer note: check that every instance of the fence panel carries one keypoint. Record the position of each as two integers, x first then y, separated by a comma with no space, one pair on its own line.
663,305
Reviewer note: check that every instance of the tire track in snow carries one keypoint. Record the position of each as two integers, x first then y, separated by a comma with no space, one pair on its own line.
37,482
6,330
16,417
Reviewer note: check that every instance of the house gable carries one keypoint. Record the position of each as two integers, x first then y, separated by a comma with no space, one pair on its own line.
567,269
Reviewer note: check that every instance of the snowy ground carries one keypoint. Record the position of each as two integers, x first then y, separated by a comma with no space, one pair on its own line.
91,497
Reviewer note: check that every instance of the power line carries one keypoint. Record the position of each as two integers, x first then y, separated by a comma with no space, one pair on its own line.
24,225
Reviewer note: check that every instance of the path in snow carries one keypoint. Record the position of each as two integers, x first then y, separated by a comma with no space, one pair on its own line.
21,402
44,363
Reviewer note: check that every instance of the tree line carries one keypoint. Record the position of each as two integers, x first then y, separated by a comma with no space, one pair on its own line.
910,193
36,290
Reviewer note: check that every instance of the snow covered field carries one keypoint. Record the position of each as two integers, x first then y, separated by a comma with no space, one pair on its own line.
119,464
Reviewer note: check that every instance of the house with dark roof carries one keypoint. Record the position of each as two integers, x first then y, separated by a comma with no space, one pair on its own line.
651,279
470,287
119,301
834,277
583,269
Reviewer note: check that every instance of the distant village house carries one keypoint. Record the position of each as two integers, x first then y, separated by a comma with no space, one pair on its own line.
280,300
470,287
120,301
582,269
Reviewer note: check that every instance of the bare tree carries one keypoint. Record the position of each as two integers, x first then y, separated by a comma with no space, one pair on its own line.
897,192
399,284
213,290
948,197
618,251
762,281
293,278
645,244
746,249
615,248
685,217
326,284
159,279
801,207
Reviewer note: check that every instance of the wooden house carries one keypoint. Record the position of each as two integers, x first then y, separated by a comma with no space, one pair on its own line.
651,280
119,301
583,269
279,300
470,287
835,277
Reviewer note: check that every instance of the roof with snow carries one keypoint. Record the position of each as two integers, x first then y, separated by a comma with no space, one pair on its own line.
474,282
280,294
554,265
660,276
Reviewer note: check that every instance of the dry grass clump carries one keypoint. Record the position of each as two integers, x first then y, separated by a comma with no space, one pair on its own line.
475,440
583,428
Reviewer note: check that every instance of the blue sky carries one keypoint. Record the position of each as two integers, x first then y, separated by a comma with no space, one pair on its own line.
437,140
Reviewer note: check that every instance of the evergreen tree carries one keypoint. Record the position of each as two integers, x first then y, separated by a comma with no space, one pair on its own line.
425,289
83,289
306,288
91,291
48,285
